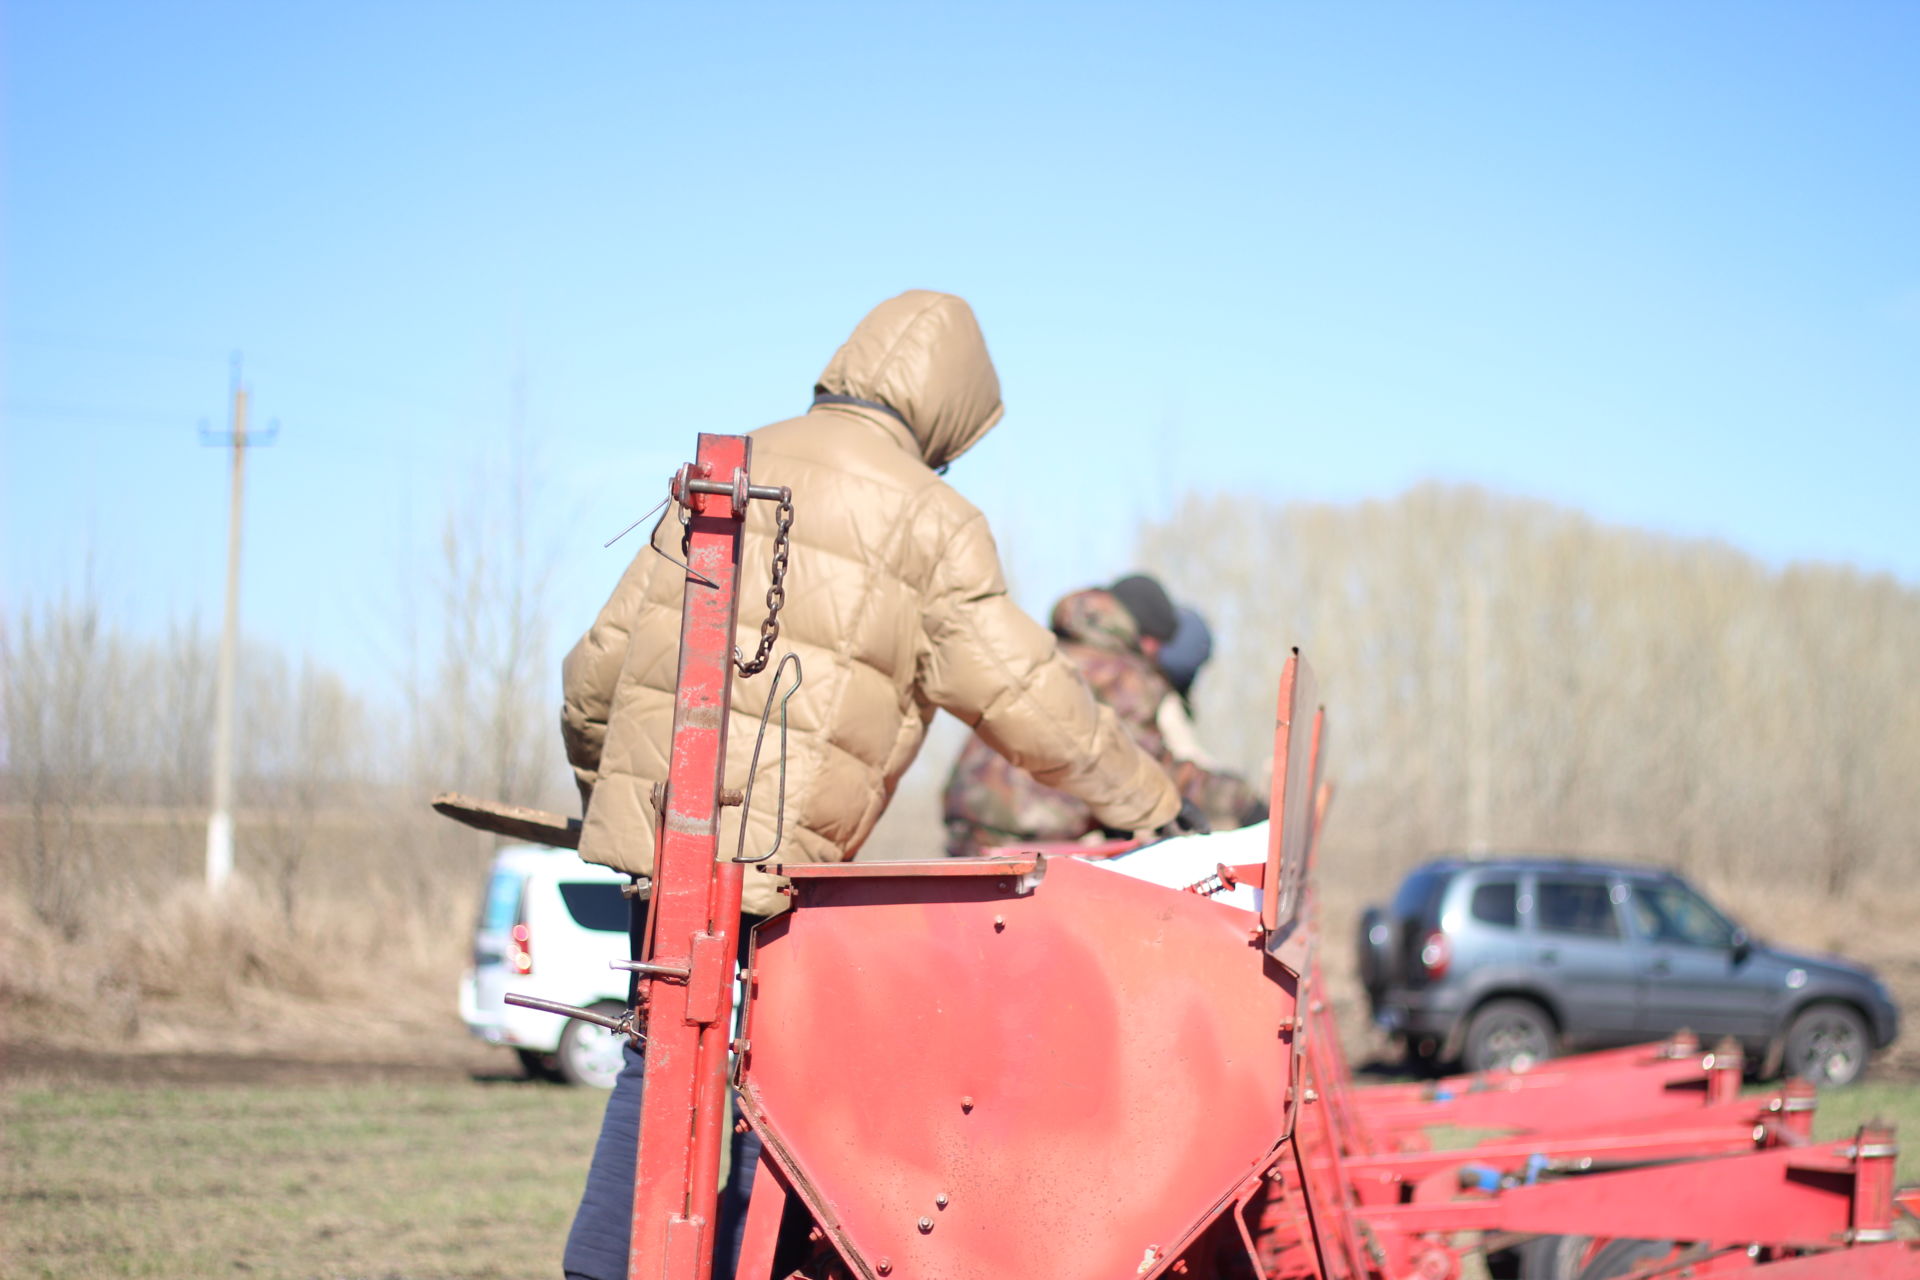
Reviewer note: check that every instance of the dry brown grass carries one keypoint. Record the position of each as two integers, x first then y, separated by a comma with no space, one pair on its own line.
368,961
184,971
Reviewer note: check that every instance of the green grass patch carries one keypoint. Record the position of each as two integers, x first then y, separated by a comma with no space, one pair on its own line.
378,1180
1842,1111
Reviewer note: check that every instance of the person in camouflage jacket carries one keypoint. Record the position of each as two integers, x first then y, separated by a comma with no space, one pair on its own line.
990,801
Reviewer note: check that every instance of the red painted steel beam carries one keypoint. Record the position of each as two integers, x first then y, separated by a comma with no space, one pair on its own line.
1900,1261
1679,1142
1794,1197
945,868
1726,1127
1296,741
695,908
1577,1100
1551,1073
761,1234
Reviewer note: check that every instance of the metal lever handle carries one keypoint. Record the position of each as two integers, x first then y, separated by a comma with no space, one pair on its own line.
651,970
622,1025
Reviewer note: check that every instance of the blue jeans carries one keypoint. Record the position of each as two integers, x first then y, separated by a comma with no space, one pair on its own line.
602,1226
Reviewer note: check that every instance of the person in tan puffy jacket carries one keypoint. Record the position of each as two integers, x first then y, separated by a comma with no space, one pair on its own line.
896,606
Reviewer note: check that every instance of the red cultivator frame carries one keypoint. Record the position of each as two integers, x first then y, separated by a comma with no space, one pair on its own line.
1033,1065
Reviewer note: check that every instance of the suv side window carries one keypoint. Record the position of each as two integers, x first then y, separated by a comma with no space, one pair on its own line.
1496,902
1675,913
1577,905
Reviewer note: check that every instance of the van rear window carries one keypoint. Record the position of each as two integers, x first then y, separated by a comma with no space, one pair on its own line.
595,904
503,902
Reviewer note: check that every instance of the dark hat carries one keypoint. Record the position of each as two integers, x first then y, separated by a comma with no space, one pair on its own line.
1182,657
1147,601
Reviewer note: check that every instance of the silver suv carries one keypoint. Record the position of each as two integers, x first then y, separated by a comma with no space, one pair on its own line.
1500,961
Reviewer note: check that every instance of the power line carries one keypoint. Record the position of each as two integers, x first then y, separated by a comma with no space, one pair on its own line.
46,410
105,345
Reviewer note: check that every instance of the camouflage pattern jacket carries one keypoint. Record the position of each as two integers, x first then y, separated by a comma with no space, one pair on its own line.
991,801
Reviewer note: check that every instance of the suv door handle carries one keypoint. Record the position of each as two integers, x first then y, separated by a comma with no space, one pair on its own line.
1549,956
1660,966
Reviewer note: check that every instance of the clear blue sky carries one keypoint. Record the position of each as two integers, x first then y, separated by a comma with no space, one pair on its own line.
1658,262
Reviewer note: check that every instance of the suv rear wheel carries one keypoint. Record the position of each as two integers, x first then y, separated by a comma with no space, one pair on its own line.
1509,1034
1827,1044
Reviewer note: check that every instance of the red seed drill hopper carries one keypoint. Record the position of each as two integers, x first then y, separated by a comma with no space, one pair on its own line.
1037,1065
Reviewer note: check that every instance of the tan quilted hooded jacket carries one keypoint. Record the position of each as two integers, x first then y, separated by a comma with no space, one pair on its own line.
895,603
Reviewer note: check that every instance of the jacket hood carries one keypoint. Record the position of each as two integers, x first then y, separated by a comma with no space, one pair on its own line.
1096,618
922,356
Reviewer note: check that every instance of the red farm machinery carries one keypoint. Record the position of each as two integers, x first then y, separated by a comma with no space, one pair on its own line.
1034,1065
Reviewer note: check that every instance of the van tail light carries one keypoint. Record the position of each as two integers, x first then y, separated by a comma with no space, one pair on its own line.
1435,955
520,953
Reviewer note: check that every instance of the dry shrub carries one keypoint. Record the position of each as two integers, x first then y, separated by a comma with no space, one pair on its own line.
193,946
184,969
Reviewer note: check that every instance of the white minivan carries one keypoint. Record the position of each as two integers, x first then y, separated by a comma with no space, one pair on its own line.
550,927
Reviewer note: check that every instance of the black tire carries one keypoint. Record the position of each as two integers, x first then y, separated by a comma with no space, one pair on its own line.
537,1065
1420,1056
1511,1033
1376,954
590,1055
1550,1257
1828,1045
1621,1257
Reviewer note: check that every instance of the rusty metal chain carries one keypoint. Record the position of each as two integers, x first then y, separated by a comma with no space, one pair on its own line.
776,590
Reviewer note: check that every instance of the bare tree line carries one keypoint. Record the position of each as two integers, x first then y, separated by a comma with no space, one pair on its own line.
1501,673
98,723
1506,674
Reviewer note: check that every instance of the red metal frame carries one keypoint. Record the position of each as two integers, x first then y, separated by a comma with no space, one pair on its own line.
897,995
695,908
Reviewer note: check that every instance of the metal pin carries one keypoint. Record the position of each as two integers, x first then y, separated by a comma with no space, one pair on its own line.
651,970
635,525
926,1225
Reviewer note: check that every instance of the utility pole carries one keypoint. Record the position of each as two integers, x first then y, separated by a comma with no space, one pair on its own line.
220,822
